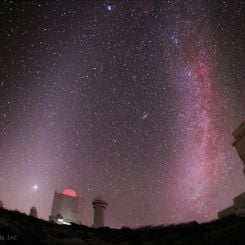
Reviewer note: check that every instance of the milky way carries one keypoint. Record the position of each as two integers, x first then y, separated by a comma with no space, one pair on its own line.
200,158
135,101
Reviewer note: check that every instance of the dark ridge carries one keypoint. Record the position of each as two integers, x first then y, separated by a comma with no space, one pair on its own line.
19,228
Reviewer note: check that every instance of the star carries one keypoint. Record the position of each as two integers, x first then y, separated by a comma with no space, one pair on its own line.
144,116
109,7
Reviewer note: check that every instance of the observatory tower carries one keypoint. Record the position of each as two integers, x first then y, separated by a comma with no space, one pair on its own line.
238,206
239,144
100,207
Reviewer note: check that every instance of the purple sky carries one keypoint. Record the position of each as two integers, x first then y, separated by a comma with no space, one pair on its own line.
135,101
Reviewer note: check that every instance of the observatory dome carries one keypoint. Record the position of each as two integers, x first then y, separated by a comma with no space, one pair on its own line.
69,192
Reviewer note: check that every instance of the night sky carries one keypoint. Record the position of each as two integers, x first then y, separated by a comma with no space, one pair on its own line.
135,101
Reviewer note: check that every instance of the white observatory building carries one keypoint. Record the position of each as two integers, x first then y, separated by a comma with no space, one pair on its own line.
100,206
67,207
238,206
239,143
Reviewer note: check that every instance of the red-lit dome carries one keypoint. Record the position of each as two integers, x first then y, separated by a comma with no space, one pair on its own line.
69,192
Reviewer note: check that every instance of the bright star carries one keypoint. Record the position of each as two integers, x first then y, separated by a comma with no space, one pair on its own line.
109,7
144,116
35,187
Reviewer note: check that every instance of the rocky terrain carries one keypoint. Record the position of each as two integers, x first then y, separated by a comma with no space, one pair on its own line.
18,228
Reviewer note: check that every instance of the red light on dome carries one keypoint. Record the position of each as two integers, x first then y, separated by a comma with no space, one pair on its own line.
69,192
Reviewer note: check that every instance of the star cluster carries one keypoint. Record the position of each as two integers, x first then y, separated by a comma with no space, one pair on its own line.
134,101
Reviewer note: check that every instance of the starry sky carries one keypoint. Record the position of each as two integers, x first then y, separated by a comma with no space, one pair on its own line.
135,101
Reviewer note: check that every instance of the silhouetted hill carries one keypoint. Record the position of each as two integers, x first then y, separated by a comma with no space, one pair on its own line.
19,228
